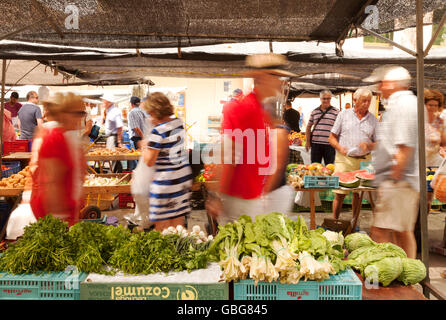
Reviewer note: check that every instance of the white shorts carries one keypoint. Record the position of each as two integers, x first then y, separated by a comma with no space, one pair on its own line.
234,207
279,200
396,206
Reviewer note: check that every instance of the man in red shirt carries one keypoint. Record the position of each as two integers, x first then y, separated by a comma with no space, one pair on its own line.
13,106
247,164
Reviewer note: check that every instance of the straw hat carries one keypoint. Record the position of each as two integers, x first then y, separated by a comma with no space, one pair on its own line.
53,99
59,102
271,63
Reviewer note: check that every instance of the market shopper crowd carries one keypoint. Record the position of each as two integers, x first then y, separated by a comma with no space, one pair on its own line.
251,171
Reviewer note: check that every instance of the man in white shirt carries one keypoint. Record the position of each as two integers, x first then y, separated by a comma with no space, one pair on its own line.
113,126
113,121
395,160
353,136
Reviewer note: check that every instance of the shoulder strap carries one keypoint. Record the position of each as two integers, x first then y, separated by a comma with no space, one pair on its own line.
323,114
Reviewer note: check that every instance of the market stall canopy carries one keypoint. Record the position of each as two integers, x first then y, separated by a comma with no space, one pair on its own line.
32,72
20,72
158,24
312,64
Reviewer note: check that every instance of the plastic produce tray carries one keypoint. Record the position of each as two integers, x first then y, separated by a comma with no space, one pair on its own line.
126,201
322,182
342,286
14,167
44,286
15,146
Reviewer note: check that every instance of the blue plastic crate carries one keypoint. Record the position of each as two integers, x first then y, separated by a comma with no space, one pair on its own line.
322,182
42,286
342,286
14,167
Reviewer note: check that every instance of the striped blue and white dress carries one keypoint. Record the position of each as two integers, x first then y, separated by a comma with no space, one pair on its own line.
170,190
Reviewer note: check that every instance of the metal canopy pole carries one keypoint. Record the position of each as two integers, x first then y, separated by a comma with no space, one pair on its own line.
393,43
435,36
2,109
421,145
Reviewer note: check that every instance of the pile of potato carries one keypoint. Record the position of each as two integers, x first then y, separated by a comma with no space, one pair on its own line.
17,180
109,152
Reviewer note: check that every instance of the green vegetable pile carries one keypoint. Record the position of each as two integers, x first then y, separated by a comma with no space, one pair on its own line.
384,262
48,245
152,252
274,246
45,246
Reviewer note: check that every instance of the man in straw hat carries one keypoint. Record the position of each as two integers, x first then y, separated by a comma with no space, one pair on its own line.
395,161
245,144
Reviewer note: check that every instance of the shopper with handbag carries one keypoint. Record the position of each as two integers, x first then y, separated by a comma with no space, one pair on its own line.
318,130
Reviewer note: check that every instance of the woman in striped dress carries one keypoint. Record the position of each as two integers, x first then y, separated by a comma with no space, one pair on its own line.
170,189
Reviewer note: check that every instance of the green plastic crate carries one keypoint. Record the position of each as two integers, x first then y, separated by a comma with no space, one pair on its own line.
322,182
342,286
42,286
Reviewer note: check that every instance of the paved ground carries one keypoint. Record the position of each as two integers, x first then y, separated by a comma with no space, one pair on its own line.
436,224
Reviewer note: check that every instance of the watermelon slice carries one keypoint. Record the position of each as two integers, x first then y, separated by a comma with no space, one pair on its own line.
366,179
347,179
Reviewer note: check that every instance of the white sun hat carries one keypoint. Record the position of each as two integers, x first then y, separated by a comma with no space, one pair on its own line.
389,73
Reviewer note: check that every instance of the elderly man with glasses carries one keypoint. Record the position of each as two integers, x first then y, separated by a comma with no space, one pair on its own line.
318,130
353,136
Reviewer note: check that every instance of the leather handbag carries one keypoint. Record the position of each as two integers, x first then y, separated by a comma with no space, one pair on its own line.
94,133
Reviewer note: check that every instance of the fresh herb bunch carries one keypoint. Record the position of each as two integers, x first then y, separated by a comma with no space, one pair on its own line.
45,246
93,244
151,252
48,245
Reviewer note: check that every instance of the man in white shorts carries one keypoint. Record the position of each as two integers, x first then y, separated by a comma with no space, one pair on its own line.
395,161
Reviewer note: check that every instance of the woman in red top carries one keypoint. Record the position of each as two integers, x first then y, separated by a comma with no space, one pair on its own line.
59,175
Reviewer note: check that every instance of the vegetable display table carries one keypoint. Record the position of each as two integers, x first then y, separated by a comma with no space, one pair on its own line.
392,292
355,218
100,160
104,189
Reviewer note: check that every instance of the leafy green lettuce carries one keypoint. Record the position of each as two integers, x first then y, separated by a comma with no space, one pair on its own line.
357,240
414,271
386,270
